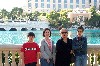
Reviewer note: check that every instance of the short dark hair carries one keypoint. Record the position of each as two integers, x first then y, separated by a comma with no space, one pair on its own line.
45,30
31,34
80,28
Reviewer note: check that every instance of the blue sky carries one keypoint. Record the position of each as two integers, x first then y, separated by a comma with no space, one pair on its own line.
9,4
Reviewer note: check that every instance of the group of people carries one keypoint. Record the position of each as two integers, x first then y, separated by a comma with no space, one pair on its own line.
51,55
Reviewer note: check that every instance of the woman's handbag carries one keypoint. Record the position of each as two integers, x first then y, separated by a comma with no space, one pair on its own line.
73,58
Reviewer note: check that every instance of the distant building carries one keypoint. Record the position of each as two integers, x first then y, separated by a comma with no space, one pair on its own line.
49,5
79,15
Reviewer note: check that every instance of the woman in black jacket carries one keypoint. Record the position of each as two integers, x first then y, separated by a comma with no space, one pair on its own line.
63,49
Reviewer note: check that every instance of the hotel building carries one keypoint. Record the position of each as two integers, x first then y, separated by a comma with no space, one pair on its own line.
49,5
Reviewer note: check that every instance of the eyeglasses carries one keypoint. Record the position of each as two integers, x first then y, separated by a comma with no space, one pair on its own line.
64,32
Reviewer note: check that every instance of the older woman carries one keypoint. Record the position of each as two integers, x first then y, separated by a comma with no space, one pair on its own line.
63,49
47,49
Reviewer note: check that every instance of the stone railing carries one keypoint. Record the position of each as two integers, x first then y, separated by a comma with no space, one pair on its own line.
10,55
93,55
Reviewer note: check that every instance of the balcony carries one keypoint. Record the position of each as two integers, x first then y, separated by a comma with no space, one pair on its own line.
11,55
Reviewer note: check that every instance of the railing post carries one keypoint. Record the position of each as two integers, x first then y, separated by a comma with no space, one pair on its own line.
13,58
0,58
96,64
6,58
20,60
89,62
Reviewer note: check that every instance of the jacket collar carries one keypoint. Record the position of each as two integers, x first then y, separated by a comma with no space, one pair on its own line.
77,37
62,39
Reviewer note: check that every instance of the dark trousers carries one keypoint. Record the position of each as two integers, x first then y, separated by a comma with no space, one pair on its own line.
31,64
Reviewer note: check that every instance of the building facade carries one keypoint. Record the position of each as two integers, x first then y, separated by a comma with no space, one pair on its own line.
49,5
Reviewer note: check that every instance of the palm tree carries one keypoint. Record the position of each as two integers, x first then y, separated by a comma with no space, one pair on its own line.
4,13
16,12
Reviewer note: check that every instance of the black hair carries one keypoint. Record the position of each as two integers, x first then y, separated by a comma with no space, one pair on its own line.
45,30
80,28
31,34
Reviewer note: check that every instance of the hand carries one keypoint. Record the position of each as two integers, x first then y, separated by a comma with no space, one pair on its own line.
37,64
71,52
48,60
23,64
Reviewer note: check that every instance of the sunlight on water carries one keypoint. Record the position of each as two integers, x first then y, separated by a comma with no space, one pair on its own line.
19,37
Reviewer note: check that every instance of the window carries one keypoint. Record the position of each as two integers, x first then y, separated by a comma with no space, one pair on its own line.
42,5
29,0
54,6
83,1
48,0
36,0
71,1
83,6
99,7
42,0
36,5
89,1
71,6
29,10
59,6
95,3
29,5
48,5
77,1
65,5
65,1
77,6
59,1
54,1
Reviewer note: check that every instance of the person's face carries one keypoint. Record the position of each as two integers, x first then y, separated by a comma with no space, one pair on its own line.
47,33
64,33
30,38
79,32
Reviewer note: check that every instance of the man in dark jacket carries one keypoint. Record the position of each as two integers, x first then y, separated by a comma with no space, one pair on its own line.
79,45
